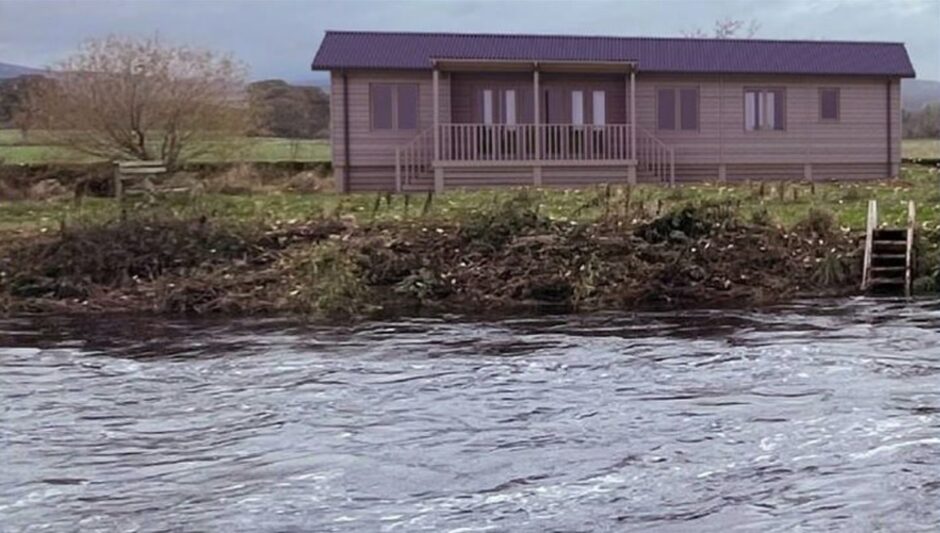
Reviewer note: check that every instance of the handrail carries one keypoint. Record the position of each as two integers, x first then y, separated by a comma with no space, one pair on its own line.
871,224
413,158
656,157
910,247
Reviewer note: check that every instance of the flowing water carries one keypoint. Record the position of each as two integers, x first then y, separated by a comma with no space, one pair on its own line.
815,417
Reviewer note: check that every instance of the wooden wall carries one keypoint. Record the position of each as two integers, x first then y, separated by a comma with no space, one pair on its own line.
853,147
372,153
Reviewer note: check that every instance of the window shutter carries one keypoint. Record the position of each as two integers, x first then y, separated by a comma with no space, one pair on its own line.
382,106
688,101
407,106
666,109
829,104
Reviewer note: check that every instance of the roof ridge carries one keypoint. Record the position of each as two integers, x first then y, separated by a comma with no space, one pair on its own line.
612,37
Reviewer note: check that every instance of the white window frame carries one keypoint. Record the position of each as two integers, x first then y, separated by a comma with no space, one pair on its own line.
599,108
760,105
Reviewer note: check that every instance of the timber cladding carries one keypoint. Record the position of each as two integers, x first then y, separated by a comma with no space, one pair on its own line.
852,146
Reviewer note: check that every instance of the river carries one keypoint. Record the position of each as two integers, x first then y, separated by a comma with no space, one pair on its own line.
817,416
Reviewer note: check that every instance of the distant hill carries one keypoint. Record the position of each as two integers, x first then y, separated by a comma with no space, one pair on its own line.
14,71
915,94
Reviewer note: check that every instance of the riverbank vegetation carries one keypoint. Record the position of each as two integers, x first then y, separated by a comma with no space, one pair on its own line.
270,251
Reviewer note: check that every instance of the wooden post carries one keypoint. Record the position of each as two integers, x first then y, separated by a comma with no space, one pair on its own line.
397,169
808,171
633,112
438,172
537,119
118,184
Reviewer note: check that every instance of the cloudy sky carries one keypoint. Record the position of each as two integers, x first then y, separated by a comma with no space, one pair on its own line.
278,38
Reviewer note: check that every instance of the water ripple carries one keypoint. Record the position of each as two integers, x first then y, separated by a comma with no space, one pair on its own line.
816,416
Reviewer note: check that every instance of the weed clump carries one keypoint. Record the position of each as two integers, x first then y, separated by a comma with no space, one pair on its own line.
818,222
506,219
692,221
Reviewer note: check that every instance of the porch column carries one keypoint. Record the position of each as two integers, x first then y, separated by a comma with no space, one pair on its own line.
632,172
438,172
537,121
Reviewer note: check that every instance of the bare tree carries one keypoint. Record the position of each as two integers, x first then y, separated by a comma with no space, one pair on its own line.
727,28
126,98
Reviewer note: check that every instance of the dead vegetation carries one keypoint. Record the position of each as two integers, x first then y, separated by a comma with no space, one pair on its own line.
509,255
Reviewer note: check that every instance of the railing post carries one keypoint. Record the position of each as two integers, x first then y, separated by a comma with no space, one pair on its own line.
672,167
397,169
633,112
438,172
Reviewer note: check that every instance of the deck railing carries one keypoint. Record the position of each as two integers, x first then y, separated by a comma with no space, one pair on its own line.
413,160
656,157
531,142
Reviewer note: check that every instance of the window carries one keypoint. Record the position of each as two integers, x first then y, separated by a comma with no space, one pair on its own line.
599,108
510,106
394,106
764,109
577,107
829,104
677,108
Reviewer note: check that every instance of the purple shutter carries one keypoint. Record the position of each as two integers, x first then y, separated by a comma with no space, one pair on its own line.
829,104
407,106
666,109
780,108
381,106
688,115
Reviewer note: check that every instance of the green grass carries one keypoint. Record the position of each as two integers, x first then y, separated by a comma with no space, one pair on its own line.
921,148
14,150
847,201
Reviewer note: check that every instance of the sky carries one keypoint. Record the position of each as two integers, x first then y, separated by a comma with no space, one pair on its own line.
278,38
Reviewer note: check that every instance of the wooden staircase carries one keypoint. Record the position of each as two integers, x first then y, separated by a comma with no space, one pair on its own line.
888,261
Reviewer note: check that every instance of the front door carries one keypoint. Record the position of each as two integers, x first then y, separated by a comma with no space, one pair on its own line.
576,118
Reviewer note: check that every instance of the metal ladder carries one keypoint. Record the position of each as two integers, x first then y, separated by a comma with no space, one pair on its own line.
889,254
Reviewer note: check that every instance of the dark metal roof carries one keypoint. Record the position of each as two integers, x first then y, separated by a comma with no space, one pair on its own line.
395,50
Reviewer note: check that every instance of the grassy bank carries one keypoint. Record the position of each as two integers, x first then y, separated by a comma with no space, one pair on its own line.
780,202
334,255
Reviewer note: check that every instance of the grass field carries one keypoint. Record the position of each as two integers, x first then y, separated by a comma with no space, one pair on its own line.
268,149
13,150
784,203
921,148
